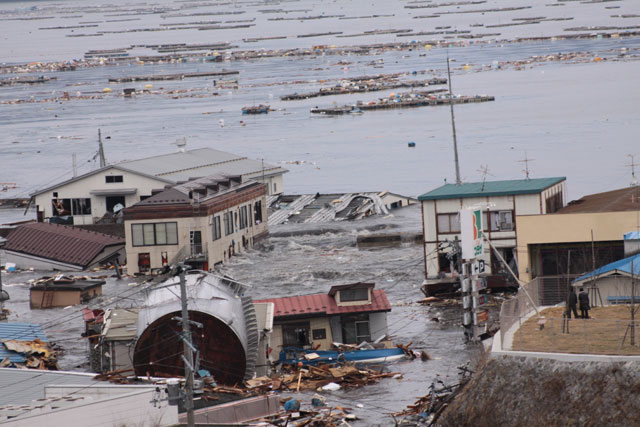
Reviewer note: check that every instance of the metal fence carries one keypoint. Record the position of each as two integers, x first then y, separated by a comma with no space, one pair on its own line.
522,330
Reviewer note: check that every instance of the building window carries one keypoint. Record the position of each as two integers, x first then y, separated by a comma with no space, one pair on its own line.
501,221
448,223
257,212
357,294
243,217
217,232
554,203
110,179
154,234
319,334
62,207
295,334
275,188
228,223
355,329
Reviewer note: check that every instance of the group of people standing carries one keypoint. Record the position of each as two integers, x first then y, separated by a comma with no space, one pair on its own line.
583,299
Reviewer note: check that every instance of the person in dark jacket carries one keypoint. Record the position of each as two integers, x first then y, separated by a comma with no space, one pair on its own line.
583,297
573,303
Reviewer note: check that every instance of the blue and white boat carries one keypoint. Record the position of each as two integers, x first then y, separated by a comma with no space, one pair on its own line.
295,355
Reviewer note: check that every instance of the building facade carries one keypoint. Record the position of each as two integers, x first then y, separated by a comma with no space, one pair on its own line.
347,314
587,233
88,198
203,222
500,201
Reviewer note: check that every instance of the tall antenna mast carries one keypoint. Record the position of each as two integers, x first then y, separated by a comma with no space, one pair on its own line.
634,180
103,161
453,124
526,165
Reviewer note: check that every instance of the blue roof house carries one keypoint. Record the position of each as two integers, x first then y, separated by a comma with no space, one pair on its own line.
613,281
500,202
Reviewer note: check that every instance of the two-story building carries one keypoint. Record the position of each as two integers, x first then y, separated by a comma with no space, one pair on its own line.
500,202
204,222
347,314
87,198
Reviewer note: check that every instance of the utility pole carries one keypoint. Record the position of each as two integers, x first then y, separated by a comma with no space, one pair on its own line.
103,161
453,124
188,347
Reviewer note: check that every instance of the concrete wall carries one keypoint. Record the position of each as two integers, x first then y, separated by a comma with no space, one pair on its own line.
275,182
217,251
569,228
83,187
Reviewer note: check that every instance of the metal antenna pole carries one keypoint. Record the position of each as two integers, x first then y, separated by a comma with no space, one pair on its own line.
188,367
453,125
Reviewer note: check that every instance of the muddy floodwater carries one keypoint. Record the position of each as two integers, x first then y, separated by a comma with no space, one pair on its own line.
565,77
304,259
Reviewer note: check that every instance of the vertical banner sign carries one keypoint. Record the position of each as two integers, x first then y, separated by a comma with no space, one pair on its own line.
471,233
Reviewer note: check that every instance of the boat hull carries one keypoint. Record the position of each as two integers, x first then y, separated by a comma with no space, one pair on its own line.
294,356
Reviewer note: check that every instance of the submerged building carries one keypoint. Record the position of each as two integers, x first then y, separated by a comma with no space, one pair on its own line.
202,222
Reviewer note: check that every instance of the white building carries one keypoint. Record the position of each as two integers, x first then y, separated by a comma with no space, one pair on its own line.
500,201
87,198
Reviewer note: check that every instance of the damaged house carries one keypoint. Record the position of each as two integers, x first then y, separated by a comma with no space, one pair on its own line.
203,222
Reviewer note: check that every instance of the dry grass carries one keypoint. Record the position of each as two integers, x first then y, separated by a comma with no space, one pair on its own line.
601,334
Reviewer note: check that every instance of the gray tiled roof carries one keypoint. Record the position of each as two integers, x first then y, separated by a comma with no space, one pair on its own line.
21,386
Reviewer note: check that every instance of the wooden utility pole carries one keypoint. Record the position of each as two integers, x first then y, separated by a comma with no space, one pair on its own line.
103,161
187,358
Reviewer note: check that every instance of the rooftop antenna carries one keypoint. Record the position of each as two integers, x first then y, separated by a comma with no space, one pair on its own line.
526,161
484,170
103,160
453,124
634,179
181,143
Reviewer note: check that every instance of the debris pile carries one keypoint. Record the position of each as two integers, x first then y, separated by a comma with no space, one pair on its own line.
427,409
320,378
34,354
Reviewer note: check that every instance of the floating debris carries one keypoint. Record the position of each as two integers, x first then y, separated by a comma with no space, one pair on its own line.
181,76
406,100
256,109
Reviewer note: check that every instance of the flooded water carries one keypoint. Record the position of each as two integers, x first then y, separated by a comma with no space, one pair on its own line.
575,117
310,259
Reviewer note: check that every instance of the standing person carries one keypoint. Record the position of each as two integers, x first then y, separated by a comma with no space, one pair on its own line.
573,303
584,303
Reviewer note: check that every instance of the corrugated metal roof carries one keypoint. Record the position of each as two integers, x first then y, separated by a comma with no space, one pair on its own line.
491,188
181,166
18,332
306,305
624,199
121,324
628,266
61,243
21,386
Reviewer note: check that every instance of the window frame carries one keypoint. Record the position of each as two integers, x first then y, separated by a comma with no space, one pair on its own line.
113,179
141,230
216,231
451,223
355,297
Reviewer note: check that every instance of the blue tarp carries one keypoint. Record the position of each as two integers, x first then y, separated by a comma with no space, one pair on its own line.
19,332
632,235
625,265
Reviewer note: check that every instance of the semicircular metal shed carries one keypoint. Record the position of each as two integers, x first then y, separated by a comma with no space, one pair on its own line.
227,341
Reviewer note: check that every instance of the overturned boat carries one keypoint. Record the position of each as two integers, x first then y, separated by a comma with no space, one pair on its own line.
224,330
